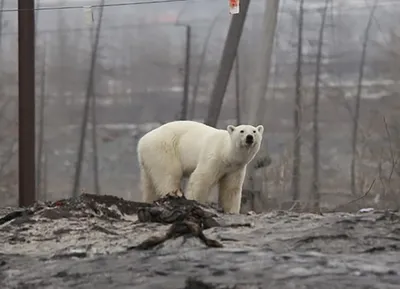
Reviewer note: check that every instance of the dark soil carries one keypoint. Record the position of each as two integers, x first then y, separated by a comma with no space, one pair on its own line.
107,242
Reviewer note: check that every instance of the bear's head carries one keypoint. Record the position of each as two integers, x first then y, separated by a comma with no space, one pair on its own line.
246,136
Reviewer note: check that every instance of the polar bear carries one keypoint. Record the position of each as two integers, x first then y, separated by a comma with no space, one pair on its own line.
208,156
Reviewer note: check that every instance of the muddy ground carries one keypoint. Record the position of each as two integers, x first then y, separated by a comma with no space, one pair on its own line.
95,245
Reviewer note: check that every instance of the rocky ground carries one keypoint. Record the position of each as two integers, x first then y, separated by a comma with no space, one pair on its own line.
107,242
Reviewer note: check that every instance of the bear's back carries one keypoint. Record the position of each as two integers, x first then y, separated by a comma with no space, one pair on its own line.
181,127
188,139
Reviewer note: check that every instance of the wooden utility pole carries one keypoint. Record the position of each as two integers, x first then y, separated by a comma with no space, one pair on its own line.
226,64
26,102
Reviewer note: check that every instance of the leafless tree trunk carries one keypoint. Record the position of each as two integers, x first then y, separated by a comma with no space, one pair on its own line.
96,181
258,101
186,80
200,68
45,178
297,116
237,90
7,157
261,75
41,124
226,64
1,22
1,37
316,137
358,103
61,59
89,95
36,16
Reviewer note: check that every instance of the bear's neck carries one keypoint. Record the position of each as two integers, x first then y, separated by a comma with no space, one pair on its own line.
240,155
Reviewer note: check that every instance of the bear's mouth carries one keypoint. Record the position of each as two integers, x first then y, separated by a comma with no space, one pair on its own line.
249,144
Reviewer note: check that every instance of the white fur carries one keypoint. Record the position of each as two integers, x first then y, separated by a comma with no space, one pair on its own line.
209,156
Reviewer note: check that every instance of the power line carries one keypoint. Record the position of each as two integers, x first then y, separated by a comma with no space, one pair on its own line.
95,5
155,23
116,27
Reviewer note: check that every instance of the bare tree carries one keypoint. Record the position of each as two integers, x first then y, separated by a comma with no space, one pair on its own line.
237,89
186,79
316,136
226,64
297,112
39,164
263,68
1,20
61,54
45,166
36,16
95,154
357,103
258,101
89,94
200,67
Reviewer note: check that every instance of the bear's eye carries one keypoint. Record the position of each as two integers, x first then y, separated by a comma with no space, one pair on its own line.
254,131
242,131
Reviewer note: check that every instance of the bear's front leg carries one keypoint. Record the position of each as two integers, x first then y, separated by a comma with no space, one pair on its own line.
230,191
200,184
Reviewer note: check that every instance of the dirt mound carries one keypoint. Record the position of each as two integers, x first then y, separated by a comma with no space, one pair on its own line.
187,216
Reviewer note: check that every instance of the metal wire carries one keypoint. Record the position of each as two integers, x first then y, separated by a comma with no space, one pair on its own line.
95,5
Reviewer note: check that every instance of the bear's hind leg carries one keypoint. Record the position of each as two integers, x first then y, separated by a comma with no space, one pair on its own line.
147,188
166,175
230,191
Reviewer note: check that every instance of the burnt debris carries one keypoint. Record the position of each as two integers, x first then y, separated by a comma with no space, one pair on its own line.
187,217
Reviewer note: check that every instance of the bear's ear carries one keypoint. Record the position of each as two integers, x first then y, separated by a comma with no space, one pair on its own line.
230,128
260,129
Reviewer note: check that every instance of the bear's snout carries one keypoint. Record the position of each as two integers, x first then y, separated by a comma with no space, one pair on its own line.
249,139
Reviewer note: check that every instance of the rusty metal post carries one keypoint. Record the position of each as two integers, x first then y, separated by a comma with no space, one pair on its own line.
26,102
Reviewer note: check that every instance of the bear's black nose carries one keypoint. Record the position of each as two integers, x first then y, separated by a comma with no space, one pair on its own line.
249,139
